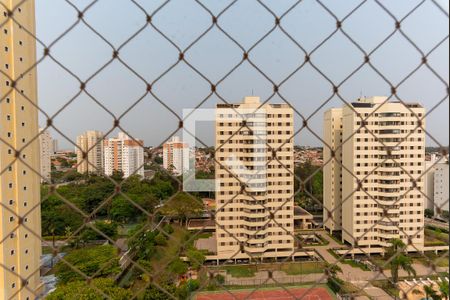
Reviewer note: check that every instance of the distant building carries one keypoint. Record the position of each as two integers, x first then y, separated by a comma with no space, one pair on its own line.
441,183
375,147
124,154
176,156
46,147
91,143
436,184
55,146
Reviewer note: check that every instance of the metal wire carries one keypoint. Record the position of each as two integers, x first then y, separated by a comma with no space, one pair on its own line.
152,89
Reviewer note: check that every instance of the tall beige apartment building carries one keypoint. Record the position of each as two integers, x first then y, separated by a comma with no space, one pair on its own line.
90,142
369,193
258,221
20,248
46,147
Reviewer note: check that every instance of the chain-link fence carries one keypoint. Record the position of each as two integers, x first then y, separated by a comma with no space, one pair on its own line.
110,236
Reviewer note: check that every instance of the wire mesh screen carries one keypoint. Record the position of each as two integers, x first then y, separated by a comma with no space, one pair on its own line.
348,214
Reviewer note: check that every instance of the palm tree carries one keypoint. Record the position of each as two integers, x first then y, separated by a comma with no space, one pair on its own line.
399,260
333,270
430,293
444,289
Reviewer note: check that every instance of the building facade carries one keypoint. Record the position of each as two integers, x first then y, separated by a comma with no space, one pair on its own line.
441,198
20,230
124,154
255,193
176,156
46,147
332,181
90,156
55,146
377,149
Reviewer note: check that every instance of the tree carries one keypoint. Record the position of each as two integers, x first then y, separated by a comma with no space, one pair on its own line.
184,291
57,215
182,207
429,213
117,176
109,229
161,239
122,210
333,281
80,290
178,267
444,288
155,293
196,258
142,241
89,261
398,260
430,293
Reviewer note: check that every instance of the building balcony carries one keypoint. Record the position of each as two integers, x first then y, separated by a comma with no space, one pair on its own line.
388,223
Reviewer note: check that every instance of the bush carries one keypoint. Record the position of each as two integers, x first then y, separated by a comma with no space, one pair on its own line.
335,284
81,290
89,261
196,258
109,229
161,240
220,279
178,267
168,229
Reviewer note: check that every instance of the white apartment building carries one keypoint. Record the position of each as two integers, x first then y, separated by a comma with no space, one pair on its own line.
46,145
124,154
441,198
255,220
436,184
90,152
20,216
176,156
369,194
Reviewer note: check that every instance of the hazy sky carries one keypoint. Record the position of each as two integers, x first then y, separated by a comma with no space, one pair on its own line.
149,54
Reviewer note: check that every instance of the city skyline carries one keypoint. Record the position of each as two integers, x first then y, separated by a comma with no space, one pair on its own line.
182,88
363,213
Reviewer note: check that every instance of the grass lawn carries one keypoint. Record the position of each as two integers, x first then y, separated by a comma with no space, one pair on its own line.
355,264
380,262
203,236
438,260
434,237
303,268
241,271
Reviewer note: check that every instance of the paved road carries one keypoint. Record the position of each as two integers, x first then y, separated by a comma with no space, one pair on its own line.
371,291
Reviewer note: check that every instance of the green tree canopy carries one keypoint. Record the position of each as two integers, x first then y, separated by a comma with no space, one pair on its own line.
89,261
80,290
196,258
182,207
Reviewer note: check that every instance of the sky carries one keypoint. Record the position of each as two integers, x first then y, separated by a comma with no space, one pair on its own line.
148,54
